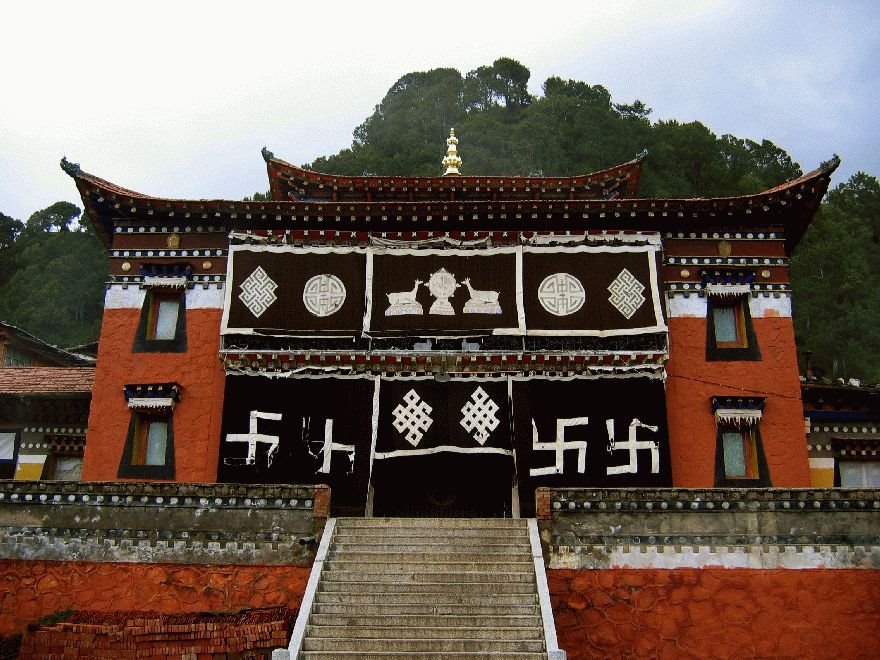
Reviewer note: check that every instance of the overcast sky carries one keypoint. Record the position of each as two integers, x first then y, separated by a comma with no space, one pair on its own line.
176,99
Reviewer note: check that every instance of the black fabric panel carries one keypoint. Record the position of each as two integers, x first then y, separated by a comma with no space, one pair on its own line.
595,271
398,273
622,400
446,401
291,271
348,402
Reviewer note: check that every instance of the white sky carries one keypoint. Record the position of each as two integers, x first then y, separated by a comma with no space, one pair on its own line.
176,98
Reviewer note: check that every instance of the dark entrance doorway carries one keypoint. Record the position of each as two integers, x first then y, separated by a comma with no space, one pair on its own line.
444,485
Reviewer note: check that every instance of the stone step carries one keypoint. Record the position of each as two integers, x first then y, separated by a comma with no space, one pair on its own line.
369,556
409,576
420,655
419,564
427,619
447,535
444,633
392,589
416,546
432,523
422,598
423,645
421,610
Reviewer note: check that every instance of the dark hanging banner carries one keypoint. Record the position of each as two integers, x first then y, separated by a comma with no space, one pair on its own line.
288,290
299,430
444,290
421,417
569,290
608,432
591,290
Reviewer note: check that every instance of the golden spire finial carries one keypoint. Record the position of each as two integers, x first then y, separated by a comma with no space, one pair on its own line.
452,162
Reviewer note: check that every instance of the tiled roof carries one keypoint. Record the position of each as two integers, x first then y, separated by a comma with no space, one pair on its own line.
46,380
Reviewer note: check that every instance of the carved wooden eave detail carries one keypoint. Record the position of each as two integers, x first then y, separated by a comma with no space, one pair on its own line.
787,208
290,182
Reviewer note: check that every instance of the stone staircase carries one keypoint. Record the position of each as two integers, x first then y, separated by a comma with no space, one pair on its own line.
426,588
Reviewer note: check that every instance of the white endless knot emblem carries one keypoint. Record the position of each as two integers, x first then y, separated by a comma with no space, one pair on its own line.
479,416
323,295
561,294
414,419
626,293
258,292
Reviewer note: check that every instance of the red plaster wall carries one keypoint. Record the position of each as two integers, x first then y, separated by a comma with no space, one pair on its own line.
32,589
197,417
717,613
693,382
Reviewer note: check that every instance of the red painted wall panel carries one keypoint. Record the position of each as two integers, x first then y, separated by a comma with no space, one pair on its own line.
33,589
717,613
693,381
197,416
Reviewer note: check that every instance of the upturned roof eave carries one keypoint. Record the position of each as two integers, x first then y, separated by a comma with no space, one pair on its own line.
277,168
104,201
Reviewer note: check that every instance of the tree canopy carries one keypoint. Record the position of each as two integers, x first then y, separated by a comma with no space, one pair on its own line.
52,273
573,128
834,276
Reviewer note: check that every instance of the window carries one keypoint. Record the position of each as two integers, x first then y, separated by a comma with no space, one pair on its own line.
9,440
15,358
729,326
162,322
150,441
859,474
149,446
729,331
739,456
66,468
162,327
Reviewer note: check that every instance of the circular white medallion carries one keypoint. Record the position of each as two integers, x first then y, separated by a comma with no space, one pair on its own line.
561,294
323,295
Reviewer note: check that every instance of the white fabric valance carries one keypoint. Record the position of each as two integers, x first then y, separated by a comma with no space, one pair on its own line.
166,282
727,290
737,417
150,403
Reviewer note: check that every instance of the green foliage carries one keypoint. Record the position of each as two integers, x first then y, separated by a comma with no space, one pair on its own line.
52,277
10,228
58,217
834,279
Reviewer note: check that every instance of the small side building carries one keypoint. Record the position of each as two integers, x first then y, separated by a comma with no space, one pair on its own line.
45,393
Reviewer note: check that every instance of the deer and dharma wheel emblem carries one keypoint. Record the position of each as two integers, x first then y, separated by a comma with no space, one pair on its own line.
442,285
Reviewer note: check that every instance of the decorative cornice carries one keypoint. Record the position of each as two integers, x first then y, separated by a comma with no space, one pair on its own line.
71,169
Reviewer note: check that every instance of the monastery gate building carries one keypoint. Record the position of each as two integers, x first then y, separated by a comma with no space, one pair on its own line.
280,381
443,346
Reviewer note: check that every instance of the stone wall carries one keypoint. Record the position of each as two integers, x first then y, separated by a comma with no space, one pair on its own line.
161,522
713,573
166,548
727,527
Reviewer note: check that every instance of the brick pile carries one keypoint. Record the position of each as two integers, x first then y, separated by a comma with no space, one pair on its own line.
251,634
